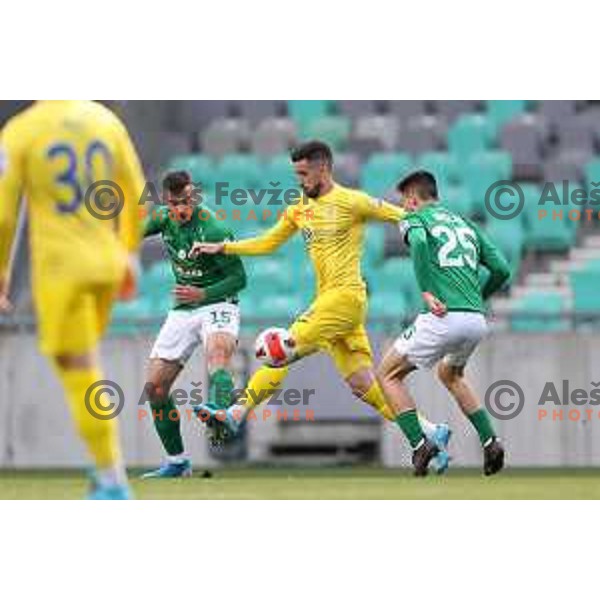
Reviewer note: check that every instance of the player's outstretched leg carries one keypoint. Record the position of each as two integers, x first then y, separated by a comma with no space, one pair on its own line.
160,377
78,374
454,380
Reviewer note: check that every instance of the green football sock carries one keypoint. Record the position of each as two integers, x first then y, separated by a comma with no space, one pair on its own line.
481,421
220,388
408,421
168,426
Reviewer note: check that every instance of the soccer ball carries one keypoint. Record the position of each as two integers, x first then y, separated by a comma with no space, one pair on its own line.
274,346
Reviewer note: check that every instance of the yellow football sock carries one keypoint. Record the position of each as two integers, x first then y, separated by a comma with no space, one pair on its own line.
376,399
263,384
100,436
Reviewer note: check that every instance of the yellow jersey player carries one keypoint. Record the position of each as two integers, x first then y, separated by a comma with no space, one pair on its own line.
56,154
332,223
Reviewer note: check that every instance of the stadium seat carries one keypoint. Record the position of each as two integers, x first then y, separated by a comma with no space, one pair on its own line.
459,199
200,167
541,312
406,109
422,134
332,129
274,136
575,133
396,277
279,169
225,136
470,134
346,169
525,137
382,171
453,109
592,174
482,170
502,111
379,132
373,245
387,312
126,316
555,111
509,236
567,164
584,283
545,233
305,111
356,108
195,115
255,111
239,171
444,167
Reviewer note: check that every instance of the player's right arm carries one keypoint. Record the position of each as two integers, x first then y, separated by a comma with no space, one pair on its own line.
491,258
154,221
375,209
267,242
11,186
263,244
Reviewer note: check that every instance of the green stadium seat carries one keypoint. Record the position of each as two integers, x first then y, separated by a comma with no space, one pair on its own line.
387,311
502,111
443,165
509,236
305,111
126,316
200,167
382,171
545,232
269,275
469,135
396,276
541,312
239,171
459,199
374,245
584,283
592,174
332,129
483,170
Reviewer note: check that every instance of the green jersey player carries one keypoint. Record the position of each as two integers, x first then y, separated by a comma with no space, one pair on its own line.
205,311
447,251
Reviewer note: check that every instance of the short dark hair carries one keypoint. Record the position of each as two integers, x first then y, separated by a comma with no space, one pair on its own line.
176,181
312,151
423,182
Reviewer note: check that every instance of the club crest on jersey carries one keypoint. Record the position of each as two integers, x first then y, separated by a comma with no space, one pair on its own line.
308,234
3,161
182,255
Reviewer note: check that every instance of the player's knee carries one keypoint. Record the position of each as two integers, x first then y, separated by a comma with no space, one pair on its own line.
220,348
361,382
450,375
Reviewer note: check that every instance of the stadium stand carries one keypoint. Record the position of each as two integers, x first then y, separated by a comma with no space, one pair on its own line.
467,144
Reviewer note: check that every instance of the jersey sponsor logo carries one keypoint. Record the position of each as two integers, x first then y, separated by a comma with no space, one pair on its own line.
189,272
308,234
3,161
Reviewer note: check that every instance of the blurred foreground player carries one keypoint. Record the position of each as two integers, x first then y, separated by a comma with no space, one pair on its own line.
55,154
447,251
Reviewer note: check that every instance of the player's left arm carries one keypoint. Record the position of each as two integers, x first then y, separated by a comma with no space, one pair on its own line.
491,258
376,209
11,186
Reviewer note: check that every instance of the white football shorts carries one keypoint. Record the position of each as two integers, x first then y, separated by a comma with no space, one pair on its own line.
453,338
184,330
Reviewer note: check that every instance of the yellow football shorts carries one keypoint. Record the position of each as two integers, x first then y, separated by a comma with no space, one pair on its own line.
334,323
72,318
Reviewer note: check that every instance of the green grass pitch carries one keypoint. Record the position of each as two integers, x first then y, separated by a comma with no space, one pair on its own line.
324,483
